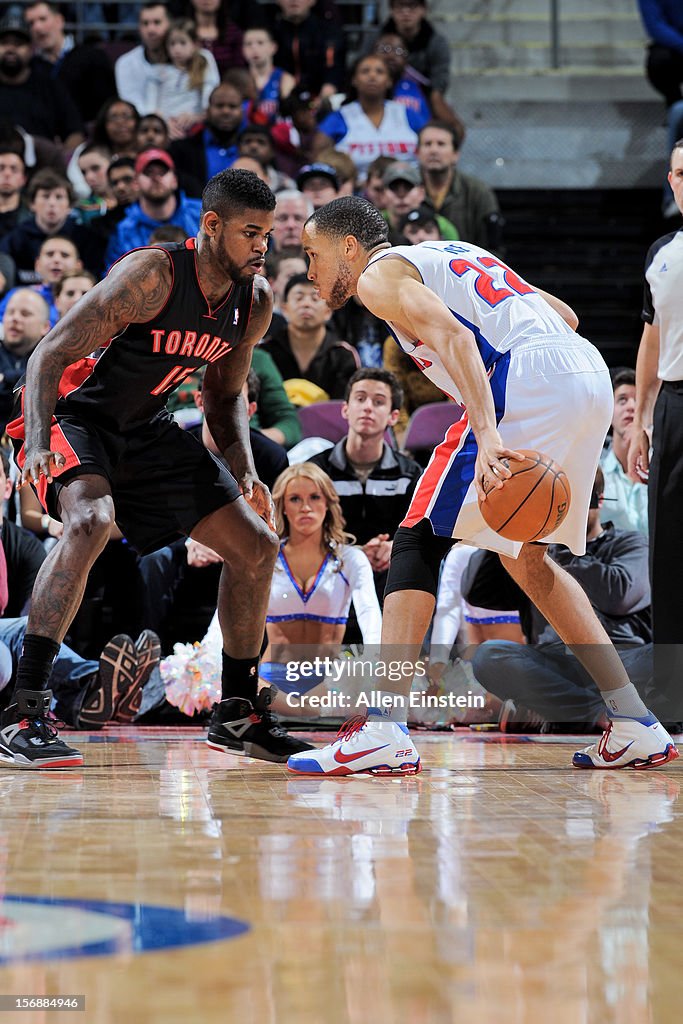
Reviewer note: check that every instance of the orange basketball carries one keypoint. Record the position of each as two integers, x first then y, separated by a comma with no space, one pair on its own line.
532,502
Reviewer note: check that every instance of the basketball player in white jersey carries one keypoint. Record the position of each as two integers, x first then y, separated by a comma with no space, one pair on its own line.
509,353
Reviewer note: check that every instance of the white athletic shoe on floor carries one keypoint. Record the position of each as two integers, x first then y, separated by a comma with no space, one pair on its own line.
629,743
372,745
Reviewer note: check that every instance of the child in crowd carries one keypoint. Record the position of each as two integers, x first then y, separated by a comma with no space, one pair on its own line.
183,86
70,288
272,84
294,134
93,163
152,132
57,256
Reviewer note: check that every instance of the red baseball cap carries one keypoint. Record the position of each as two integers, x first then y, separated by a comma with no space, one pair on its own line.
150,156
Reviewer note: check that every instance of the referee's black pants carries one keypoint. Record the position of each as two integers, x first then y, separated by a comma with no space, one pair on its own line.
665,511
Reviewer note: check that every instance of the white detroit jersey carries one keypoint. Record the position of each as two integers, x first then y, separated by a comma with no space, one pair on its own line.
551,391
484,294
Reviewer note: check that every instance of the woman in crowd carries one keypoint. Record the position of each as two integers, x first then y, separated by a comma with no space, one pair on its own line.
116,128
370,125
317,575
217,33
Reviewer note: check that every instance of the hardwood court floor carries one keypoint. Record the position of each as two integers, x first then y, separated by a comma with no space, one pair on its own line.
500,885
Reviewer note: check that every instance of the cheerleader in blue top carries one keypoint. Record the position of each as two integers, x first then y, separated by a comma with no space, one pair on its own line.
317,575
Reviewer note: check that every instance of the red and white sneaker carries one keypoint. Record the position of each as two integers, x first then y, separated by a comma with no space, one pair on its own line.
371,745
629,743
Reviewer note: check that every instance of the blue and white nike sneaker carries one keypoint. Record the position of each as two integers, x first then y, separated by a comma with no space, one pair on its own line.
372,745
629,743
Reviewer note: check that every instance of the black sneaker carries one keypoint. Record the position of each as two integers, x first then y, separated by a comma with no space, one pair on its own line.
28,737
239,727
147,653
98,704
116,677
516,718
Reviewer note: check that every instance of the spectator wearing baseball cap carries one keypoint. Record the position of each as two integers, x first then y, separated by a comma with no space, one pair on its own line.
403,192
29,96
345,169
420,225
319,182
13,23
151,156
160,203
401,172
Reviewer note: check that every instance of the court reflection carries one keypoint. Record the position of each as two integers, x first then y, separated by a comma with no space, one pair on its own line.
498,883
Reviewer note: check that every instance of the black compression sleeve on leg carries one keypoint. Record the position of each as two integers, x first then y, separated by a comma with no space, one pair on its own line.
240,677
416,557
35,665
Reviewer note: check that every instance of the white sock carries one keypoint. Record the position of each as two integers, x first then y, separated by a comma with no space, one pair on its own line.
625,701
387,707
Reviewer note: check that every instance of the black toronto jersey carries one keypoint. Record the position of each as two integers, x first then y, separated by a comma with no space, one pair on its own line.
129,383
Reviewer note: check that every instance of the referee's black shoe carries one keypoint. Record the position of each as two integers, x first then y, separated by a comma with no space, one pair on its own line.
28,736
239,727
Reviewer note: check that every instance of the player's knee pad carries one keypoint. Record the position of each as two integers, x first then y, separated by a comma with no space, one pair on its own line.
416,557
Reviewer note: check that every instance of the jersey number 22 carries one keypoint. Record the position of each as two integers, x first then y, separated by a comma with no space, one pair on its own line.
484,285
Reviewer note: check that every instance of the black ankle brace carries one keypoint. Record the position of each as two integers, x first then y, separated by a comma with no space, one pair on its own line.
239,677
35,665
31,703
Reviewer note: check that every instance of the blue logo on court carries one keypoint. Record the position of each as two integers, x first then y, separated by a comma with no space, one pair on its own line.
39,928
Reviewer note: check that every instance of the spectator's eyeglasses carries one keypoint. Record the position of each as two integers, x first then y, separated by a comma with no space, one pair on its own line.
385,48
120,117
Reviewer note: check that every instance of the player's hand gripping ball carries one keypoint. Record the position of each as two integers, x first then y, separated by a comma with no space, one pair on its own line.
532,503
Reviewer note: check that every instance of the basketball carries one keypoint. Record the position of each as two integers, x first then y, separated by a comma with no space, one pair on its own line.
532,502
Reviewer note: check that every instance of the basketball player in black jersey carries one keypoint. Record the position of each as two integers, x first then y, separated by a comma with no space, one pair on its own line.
94,438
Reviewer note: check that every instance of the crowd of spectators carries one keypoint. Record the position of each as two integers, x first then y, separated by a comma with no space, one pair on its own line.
106,145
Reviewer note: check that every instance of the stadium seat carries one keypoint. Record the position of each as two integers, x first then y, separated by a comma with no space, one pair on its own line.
428,425
323,419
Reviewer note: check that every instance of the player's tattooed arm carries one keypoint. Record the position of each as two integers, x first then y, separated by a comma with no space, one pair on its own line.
224,406
134,292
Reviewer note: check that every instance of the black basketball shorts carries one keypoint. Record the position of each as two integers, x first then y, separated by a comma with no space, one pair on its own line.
163,480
